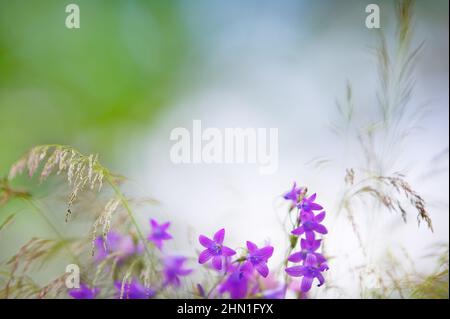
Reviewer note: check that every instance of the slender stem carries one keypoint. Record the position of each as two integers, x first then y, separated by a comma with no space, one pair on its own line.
215,285
125,204
41,213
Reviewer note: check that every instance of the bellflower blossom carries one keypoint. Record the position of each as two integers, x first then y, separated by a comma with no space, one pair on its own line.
237,283
84,292
258,257
159,233
308,204
293,194
307,247
215,249
311,224
173,268
309,271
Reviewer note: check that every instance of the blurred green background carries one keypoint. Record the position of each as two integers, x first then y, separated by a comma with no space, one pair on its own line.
90,86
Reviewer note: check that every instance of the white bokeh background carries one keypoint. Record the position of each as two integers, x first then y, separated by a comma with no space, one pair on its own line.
284,65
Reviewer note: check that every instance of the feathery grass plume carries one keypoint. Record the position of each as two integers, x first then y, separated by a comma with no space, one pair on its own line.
378,140
85,176
54,288
434,285
403,281
35,253
81,170
104,219
22,287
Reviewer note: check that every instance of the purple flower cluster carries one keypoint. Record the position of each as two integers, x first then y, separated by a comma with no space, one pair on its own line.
121,248
241,276
240,273
312,263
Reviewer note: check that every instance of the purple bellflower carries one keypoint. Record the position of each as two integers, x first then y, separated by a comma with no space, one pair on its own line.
258,257
310,225
307,247
159,233
293,194
307,204
309,271
173,268
215,249
84,292
237,283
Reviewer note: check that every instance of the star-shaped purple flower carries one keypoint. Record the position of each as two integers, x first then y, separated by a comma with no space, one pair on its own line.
133,290
215,249
309,271
173,268
293,194
311,225
307,204
84,292
258,257
308,247
159,233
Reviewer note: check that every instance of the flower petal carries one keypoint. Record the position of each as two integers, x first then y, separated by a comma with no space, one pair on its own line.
296,257
205,256
154,223
205,241
306,284
227,251
166,236
311,260
219,236
298,231
312,198
264,253
320,258
262,269
296,271
315,206
320,217
321,280
217,262
323,267
321,229
251,246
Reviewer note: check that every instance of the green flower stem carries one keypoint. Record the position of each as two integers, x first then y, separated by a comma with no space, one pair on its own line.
125,204
41,213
